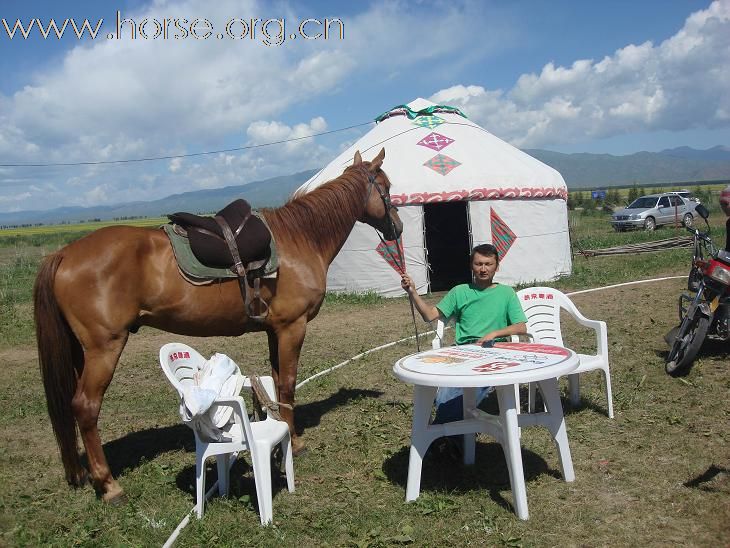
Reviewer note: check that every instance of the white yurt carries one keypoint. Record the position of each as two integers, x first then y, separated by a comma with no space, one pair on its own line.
456,186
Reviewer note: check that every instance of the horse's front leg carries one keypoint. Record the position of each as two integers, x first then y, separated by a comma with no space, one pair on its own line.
290,339
274,358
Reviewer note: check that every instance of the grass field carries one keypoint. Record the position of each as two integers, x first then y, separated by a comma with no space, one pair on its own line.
655,475
75,228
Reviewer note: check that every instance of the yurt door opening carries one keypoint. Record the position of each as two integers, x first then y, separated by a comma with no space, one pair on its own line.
448,244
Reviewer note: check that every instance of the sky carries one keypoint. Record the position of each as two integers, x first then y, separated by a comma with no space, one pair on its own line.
613,77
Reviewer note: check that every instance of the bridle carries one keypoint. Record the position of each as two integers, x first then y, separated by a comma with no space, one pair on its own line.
387,204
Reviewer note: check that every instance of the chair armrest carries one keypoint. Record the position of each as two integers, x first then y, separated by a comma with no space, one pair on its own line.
238,405
601,330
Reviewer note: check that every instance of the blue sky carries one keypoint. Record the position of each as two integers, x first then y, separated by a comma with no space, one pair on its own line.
605,77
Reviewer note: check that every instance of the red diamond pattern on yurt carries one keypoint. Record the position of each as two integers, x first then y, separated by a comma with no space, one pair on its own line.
428,121
442,164
392,254
502,236
435,141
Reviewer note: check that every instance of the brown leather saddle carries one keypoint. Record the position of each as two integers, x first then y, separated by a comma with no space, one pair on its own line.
234,238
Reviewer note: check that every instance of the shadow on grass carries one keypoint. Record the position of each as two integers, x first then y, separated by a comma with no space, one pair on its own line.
130,451
444,473
309,415
705,477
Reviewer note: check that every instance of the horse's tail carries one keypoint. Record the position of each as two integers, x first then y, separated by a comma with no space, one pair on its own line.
60,358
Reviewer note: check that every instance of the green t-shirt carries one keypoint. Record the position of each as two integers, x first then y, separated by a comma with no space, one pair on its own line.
480,311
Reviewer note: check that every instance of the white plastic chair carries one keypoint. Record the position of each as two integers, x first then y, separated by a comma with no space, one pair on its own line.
542,307
179,363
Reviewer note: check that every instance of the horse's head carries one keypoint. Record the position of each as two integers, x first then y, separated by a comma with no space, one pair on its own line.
379,212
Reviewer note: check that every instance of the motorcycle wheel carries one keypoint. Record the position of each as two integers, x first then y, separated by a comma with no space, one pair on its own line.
685,348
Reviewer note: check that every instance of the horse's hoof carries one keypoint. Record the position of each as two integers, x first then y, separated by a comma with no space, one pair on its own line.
118,499
298,448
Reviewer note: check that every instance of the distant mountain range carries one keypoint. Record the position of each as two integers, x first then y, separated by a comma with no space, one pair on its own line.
270,192
676,165
581,170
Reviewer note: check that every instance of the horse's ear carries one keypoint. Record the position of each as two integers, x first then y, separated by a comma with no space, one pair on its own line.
358,158
378,160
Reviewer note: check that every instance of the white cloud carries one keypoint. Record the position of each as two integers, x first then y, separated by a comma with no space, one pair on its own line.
175,165
679,84
118,99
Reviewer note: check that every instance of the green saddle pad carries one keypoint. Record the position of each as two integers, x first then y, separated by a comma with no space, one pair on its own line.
196,270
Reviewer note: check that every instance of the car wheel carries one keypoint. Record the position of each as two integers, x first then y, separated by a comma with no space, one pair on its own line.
687,220
649,224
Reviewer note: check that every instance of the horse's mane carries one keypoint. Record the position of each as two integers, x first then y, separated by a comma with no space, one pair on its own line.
323,216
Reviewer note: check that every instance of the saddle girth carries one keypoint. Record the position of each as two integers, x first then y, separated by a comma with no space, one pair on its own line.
240,270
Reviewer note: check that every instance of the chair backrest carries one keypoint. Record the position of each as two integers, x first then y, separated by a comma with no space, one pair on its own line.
180,363
542,307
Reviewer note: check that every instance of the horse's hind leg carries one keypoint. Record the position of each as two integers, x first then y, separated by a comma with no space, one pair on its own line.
100,362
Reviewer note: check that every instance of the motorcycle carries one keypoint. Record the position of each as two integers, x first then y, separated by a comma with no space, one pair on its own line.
707,312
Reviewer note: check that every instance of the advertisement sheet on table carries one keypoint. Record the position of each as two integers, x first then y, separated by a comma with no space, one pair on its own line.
473,360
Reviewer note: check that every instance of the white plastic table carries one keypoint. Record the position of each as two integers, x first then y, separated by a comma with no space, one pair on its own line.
504,366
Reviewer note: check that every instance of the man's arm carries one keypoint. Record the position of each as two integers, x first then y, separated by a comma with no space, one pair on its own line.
428,312
514,329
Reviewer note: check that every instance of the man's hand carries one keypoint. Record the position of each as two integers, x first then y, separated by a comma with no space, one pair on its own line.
488,337
407,284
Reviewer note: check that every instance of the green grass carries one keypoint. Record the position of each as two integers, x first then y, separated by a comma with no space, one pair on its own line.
44,230
364,298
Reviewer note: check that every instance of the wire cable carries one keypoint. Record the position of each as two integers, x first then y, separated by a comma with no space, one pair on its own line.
190,155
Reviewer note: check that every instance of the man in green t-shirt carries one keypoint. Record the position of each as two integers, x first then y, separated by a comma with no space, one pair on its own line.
484,311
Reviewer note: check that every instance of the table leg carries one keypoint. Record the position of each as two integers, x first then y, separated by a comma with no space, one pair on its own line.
555,422
469,438
512,449
423,397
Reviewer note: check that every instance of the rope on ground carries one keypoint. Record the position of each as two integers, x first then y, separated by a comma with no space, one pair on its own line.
643,247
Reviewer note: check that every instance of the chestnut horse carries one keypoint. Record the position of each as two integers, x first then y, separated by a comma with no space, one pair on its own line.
91,294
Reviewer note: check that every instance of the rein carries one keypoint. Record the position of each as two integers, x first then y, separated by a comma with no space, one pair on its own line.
400,262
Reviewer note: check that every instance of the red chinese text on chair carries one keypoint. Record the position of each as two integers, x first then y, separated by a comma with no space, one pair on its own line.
180,363
542,306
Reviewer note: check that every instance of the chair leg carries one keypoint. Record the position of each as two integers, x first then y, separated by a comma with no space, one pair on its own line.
199,484
609,394
288,463
469,440
224,473
574,388
531,396
261,461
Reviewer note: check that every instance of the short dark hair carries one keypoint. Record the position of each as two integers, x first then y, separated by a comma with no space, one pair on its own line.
488,250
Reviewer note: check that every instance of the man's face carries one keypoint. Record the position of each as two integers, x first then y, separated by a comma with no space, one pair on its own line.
725,202
484,267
